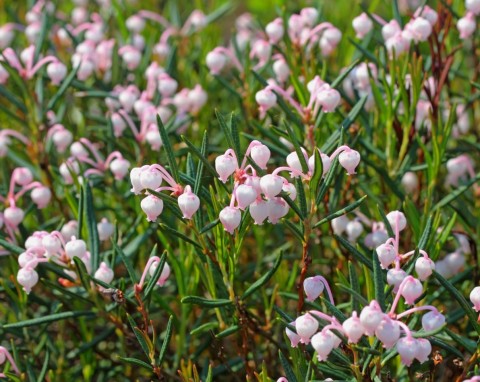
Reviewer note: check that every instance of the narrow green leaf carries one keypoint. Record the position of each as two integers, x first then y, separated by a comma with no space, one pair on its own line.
174,232
168,149
137,362
235,135
205,301
82,272
287,368
355,285
455,194
166,341
193,149
422,244
317,173
264,279
11,247
48,319
355,252
385,221
93,240
126,262
378,281
227,332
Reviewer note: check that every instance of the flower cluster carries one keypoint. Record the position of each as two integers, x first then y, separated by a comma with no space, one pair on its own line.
262,194
151,177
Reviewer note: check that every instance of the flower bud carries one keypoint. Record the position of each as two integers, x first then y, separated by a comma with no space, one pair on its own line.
27,278
259,211
225,166
388,332
230,217
131,57
411,290
62,139
56,72
260,155
119,168
69,229
392,218
313,287
328,98
407,348
292,336
395,278
153,138
294,162
104,273
277,209
370,317
215,61
473,6
281,70
167,86
22,176
386,255
135,24
362,25
13,216
119,125
41,196
323,344
428,14
353,230
339,225
188,203
420,29
390,29
151,178
152,206
475,298
410,182
266,99
466,26
432,320
424,268
349,160
163,276
197,98
245,195
306,326
353,328
275,30
271,185
423,349
105,229
75,248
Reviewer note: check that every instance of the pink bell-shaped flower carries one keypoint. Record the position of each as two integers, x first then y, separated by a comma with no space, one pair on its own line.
353,328
104,273
75,247
271,185
22,176
370,317
105,229
163,276
119,168
188,203
473,6
260,154
349,160
290,189
259,211
323,343
56,71
411,289
362,25
51,244
245,195
395,278
225,166
306,326
215,61
27,278
151,178
275,30
432,320
407,348
313,287
152,206
466,25
328,98
294,162
424,267
423,349
292,336
475,298
386,255
266,99
388,332
230,218
41,196
277,209
395,216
